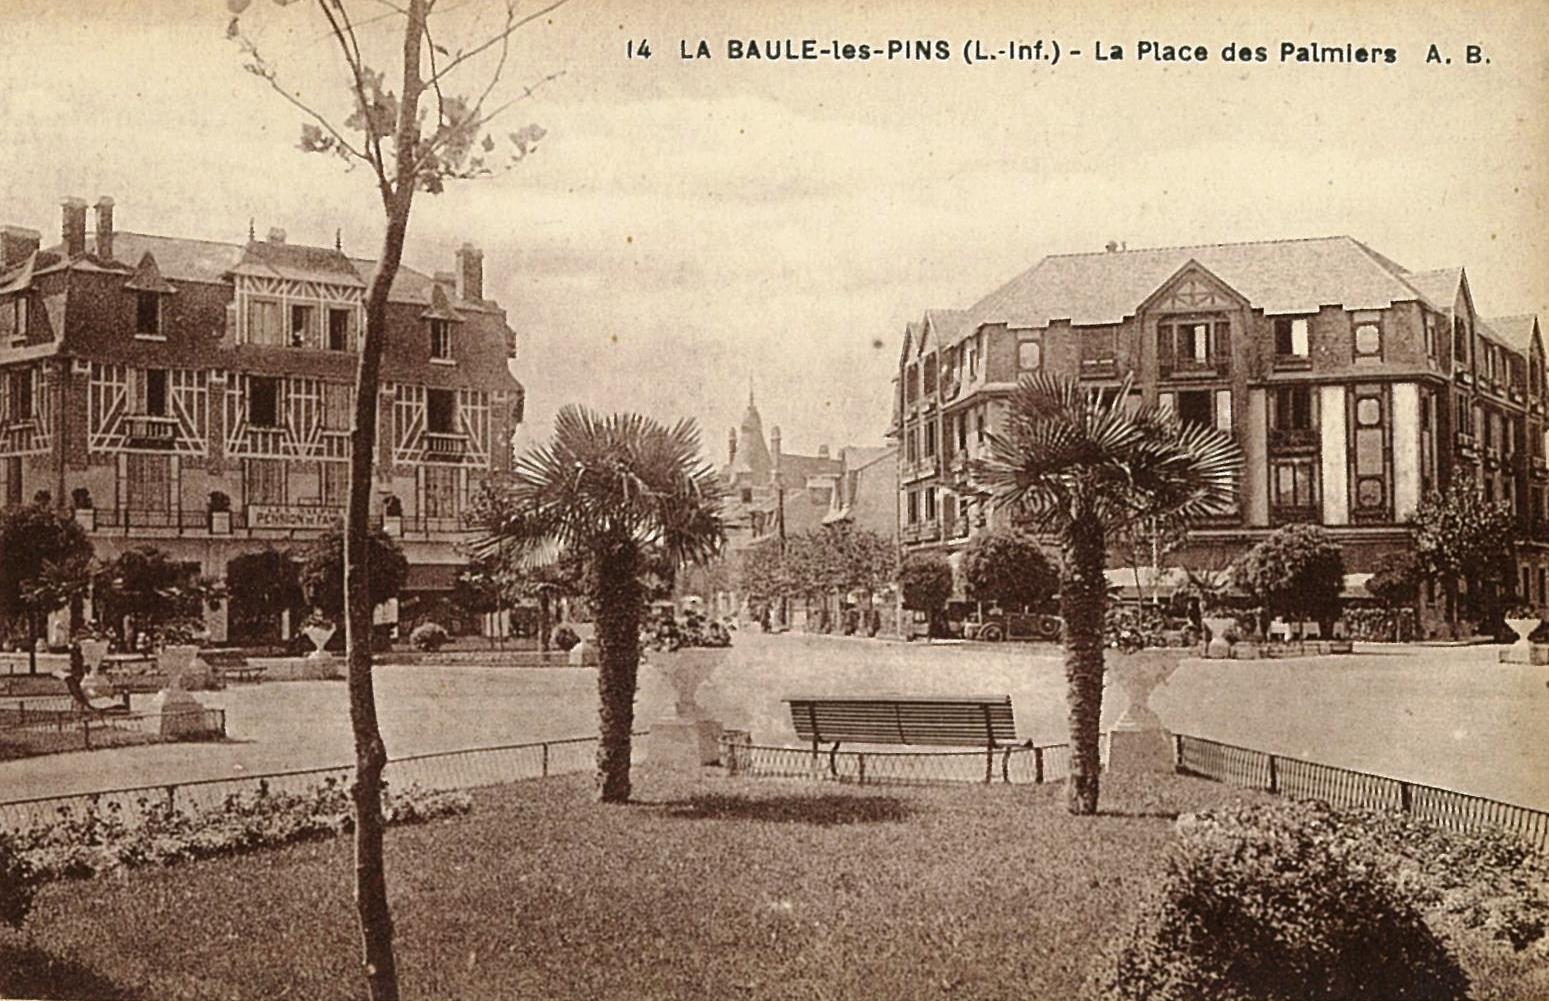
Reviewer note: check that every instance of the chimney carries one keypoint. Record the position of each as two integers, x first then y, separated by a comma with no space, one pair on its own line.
105,228
470,273
17,243
1113,246
822,451
731,445
73,228
276,235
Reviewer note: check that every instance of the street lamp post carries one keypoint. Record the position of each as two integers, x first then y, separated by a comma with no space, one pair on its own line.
779,484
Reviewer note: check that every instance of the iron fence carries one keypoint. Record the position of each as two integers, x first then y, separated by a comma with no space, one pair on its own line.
1016,765
1344,787
444,770
28,731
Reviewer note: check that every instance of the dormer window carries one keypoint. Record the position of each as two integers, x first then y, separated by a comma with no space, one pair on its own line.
147,314
338,330
13,319
1291,336
440,340
303,321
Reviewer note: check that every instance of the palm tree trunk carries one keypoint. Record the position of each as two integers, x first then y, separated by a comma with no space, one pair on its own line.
1083,593
618,599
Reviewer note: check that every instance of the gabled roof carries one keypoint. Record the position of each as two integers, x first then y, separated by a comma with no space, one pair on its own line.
1439,287
1516,332
147,277
296,262
440,306
1277,276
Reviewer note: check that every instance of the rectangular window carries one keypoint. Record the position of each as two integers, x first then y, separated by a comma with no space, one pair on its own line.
914,506
980,418
1368,340
971,347
148,485
441,340
1295,484
930,503
1291,336
336,406
1098,347
911,384
20,405
440,491
154,383
1293,408
11,466
13,318
1029,355
912,446
1196,408
147,314
1224,410
263,481
1459,341
263,322
303,325
930,440
338,330
263,402
928,374
441,411
333,483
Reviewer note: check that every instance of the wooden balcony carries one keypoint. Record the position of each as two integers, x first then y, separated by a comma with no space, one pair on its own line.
145,431
445,446
1194,368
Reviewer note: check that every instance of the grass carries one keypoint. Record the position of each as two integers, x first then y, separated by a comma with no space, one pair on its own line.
723,889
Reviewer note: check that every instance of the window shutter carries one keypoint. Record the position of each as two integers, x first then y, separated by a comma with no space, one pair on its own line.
1164,349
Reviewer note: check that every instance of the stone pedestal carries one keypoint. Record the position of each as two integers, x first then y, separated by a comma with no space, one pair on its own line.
687,739
1520,652
1218,625
579,654
182,715
1138,742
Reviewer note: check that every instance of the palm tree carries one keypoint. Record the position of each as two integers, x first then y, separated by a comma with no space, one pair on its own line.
1080,466
611,491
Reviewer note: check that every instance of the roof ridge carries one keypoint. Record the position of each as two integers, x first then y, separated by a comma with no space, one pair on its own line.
1201,246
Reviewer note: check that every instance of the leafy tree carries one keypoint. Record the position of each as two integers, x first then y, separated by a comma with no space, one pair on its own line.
148,587
1396,581
322,570
1009,568
612,492
1459,535
1080,467
925,581
1298,572
414,131
37,544
261,585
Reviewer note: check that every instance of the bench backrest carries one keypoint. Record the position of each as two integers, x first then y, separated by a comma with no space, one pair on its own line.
942,721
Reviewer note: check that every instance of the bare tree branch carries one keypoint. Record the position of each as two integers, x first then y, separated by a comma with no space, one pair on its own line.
344,34
489,43
265,71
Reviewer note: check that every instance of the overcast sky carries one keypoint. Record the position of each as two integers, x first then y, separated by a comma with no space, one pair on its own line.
687,226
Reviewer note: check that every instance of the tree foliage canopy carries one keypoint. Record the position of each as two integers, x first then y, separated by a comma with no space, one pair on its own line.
37,544
1009,567
322,571
1299,570
925,580
1461,534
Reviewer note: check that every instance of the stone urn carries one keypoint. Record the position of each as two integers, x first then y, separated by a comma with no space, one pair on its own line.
1520,652
182,667
93,653
1218,626
687,738
1138,741
319,633
182,716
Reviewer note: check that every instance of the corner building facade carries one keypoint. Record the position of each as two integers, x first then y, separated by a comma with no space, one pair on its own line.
1354,386
197,396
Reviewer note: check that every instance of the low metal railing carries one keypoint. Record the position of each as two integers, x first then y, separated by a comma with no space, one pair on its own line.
1016,765
1345,787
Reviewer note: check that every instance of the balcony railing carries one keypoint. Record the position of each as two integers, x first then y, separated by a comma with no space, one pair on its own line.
445,446
1097,368
1292,363
145,431
1285,514
1195,368
1292,439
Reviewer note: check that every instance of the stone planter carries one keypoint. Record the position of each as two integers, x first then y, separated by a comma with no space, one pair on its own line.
319,635
182,716
392,525
86,517
220,522
1218,625
182,668
686,739
1520,652
1138,742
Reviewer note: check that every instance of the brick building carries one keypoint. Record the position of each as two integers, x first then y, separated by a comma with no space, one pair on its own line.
1353,385
152,373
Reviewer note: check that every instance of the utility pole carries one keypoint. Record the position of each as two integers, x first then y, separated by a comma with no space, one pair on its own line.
779,483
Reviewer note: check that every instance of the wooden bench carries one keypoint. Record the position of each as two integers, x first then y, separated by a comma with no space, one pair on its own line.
942,721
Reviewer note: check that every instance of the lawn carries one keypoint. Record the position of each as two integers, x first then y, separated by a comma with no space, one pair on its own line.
719,889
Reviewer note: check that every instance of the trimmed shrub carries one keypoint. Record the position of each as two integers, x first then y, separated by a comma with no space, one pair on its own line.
18,882
566,638
1284,901
428,636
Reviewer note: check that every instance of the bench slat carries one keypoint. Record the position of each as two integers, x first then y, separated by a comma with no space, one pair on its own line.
961,722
